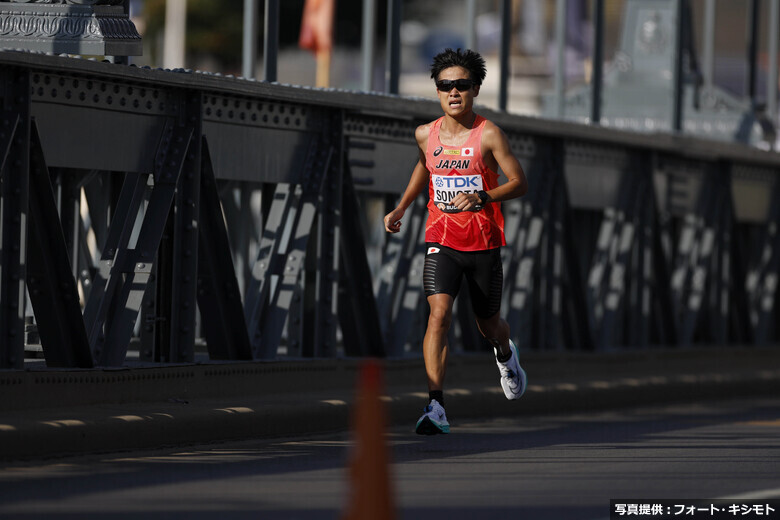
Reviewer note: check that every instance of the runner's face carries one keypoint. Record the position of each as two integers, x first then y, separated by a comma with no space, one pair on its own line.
455,102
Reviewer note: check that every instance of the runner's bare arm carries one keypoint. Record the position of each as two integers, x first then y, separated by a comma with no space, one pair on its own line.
497,153
496,143
417,183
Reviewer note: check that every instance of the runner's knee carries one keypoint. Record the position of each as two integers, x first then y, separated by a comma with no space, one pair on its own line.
440,316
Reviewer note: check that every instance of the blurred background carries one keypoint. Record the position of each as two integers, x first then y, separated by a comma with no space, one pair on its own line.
214,28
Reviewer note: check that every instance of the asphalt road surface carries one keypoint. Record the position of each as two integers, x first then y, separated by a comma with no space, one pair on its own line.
537,468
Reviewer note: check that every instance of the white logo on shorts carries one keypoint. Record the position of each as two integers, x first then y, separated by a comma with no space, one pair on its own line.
432,250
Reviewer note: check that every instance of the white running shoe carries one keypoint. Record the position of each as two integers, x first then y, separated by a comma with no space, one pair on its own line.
433,420
513,379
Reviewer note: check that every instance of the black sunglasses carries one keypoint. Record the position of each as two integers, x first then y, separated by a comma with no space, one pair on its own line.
445,85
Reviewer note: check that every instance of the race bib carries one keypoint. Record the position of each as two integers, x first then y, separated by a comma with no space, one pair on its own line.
446,187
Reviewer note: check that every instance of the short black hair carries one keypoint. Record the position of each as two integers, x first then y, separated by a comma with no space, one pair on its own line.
470,60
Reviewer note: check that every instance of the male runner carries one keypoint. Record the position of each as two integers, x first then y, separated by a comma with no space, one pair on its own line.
459,157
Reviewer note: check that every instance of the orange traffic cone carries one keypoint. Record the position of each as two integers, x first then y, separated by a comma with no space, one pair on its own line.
370,489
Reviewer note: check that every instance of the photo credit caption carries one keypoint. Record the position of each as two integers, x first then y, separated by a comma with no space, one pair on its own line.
662,509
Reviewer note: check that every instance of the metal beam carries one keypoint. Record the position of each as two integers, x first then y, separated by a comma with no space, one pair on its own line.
703,296
97,306
330,233
522,281
504,54
357,305
597,62
773,54
622,274
175,36
50,278
560,53
275,286
185,238
14,193
367,45
219,298
249,42
471,24
126,270
751,80
677,71
398,293
393,63
762,280
708,61
271,35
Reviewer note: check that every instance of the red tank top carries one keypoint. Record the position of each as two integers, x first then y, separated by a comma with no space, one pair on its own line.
456,169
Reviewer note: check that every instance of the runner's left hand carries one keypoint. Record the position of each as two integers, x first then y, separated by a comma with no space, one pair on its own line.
466,201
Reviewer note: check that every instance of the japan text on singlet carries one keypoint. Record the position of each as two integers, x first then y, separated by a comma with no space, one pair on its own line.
455,169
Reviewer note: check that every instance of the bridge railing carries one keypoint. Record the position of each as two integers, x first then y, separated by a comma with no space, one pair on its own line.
168,216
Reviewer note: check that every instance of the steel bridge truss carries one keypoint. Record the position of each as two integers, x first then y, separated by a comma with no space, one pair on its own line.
178,214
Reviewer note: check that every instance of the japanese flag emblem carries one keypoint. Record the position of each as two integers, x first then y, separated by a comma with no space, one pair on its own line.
467,152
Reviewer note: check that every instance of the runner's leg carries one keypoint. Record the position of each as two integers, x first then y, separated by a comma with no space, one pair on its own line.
435,341
442,275
496,330
486,278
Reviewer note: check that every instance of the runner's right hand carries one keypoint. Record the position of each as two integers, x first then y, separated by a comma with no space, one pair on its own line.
393,220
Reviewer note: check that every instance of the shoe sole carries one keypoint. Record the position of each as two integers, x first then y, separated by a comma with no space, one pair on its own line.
522,390
428,427
524,378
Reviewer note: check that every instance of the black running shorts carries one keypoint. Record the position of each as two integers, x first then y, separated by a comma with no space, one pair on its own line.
445,268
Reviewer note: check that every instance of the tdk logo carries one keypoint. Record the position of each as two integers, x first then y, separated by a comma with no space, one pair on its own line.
458,182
